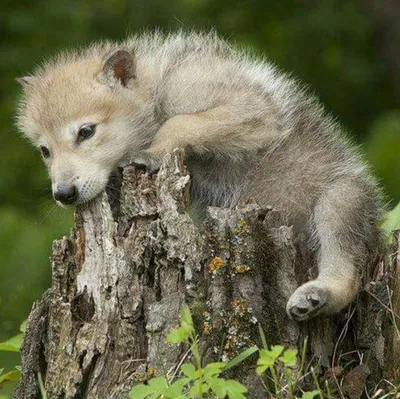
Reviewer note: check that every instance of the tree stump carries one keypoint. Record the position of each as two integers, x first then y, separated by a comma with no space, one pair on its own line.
135,258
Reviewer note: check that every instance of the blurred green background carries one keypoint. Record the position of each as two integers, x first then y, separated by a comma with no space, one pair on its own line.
346,51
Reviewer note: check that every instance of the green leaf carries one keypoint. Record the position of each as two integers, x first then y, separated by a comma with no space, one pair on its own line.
261,368
22,327
213,369
176,388
186,320
276,350
157,387
41,386
218,386
310,395
13,375
198,389
235,389
189,370
262,336
241,357
13,344
140,391
268,358
158,383
185,330
289,357
177,336
391,220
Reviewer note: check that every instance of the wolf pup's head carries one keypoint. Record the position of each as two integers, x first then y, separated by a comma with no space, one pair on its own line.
85,112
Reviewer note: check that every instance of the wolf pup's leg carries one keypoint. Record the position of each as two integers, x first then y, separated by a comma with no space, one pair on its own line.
345,221
224,130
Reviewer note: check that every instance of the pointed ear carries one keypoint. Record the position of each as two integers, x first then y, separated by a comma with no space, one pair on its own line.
25,80
120,67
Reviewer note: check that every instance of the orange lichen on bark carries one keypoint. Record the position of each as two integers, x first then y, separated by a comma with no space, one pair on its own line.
215,264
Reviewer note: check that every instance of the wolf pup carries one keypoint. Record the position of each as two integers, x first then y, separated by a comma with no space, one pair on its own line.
248,131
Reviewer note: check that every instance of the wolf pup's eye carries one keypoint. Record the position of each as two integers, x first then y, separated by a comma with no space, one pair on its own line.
86,132
45,151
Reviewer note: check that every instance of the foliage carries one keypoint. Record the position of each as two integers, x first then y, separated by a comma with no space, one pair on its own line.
198,381
284,371
391,220
10,376
12,345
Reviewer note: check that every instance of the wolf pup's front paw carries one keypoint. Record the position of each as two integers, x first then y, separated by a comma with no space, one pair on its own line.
308,301
145,160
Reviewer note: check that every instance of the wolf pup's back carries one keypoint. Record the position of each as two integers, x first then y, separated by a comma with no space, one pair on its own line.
248,131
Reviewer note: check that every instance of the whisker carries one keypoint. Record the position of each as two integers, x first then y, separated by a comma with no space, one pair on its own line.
46,216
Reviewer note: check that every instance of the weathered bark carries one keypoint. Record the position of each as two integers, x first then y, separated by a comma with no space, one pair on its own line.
135,258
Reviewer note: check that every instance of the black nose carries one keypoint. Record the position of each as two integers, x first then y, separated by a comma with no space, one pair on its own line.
66,194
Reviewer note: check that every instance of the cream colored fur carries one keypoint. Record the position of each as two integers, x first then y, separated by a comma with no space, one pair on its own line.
248,131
